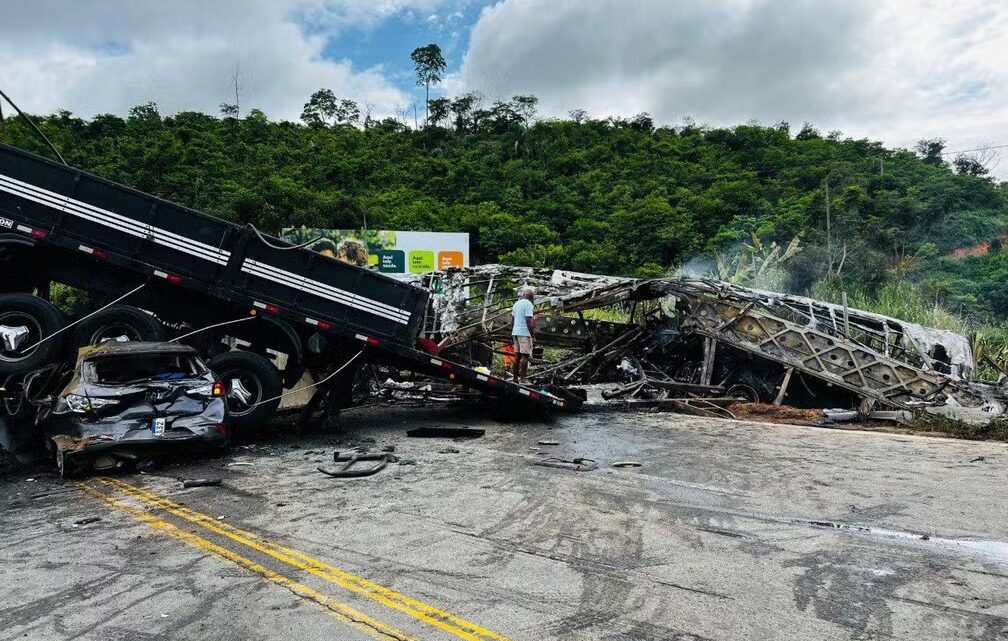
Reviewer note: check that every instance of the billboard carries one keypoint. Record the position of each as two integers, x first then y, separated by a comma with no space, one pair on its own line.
395,253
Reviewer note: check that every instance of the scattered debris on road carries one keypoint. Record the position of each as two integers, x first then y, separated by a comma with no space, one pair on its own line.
445,432
350,467
626,464
576,465
187,483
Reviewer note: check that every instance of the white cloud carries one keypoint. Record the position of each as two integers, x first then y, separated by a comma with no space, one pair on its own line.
896,71
108,56
346,13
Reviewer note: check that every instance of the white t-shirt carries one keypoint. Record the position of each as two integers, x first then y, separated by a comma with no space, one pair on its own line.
521,311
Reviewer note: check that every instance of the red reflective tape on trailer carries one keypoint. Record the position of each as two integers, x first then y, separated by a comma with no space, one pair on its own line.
171,278
318,323
372,341
534,395
97,253
37,233
492,381
272,309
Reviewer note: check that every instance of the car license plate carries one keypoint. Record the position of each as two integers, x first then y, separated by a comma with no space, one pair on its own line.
157,426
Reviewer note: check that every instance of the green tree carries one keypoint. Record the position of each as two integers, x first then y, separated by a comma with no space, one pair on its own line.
440,108
653,231
324,109
462,108
642,122
320,110
930,151
347,112
525,107
967,165
429,65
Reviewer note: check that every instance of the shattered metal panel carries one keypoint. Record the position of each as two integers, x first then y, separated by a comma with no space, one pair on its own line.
886,360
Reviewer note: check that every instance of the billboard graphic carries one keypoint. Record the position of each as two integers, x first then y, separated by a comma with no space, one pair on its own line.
387,251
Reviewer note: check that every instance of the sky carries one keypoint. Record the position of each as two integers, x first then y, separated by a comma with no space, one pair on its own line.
895,71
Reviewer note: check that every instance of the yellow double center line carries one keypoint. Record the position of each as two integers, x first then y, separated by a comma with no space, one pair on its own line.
385,596
339,611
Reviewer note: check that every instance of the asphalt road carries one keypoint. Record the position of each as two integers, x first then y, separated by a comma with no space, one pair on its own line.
726,531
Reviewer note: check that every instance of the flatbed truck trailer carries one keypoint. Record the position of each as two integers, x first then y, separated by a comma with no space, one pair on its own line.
189,271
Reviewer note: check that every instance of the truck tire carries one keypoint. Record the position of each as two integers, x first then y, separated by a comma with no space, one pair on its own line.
25,320
119,320
259,380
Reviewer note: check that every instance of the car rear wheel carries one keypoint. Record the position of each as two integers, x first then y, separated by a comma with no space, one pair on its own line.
119,322
24,321
252,385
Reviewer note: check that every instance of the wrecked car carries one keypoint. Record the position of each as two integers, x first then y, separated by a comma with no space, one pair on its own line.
126,402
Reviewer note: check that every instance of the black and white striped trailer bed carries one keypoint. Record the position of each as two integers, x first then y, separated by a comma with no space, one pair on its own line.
97,235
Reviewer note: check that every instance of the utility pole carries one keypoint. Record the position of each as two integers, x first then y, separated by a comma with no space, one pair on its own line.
829,230
237,100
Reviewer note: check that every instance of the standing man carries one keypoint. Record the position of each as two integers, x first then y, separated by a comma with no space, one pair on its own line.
521,333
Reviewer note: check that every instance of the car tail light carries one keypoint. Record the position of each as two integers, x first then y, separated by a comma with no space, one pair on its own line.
218,389
221,428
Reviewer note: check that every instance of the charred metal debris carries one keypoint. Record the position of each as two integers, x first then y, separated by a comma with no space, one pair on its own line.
700,345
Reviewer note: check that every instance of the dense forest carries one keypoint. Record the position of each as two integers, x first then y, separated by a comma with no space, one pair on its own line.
617,196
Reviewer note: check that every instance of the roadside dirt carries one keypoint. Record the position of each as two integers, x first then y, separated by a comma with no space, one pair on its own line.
767,413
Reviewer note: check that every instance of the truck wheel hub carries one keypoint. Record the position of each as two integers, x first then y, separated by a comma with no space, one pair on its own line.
239,393
13,337
18,330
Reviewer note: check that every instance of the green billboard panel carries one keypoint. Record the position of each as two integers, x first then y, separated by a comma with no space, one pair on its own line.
421,261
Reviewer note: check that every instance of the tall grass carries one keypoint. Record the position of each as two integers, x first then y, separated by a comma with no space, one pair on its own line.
906,301
899,299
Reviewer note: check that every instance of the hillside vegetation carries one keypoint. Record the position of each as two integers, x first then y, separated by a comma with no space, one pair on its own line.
609,196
